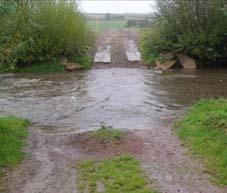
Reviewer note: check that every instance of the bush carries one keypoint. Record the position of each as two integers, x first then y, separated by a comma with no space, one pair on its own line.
195,28
34,31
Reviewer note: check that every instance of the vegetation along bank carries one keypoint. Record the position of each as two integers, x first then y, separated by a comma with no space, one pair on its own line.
204,131
41,36
197,29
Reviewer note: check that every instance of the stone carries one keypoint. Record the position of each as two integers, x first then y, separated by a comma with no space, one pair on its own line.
168,55
64,61
70,66
187,62
165,65
73,66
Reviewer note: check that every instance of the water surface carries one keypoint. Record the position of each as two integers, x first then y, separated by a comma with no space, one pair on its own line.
124,98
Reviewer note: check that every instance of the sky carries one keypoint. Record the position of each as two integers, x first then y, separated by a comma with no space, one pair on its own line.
109,6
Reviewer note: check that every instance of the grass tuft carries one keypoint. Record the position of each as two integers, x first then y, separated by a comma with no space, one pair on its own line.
204,131
120,174
12,133
107,133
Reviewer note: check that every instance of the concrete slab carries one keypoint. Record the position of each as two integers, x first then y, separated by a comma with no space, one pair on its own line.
132,53
133,56
101,57
103,54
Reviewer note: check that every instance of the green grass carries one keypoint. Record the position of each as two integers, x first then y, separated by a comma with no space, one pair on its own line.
204,131
50,67
12,134
107,133
107,24
149,56
120,174
42,68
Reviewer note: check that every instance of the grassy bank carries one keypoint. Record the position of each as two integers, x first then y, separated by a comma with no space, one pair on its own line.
204,131
49,67
120,174
12,134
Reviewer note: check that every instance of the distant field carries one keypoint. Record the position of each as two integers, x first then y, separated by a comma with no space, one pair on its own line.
105,25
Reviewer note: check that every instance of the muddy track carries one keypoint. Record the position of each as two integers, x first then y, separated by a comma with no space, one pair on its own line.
116,39
50,166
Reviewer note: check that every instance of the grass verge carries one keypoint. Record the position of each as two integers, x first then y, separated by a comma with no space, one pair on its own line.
120,174
204,131
12,134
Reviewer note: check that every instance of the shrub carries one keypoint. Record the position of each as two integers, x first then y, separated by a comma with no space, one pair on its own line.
196,28
35,31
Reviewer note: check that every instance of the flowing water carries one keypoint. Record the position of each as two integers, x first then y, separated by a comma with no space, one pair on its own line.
124,98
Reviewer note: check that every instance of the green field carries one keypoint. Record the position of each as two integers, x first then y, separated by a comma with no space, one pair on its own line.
106,25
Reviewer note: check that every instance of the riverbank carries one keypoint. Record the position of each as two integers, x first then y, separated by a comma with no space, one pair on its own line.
203,131
65,105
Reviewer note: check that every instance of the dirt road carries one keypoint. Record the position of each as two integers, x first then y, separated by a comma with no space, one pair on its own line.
116,39
50,165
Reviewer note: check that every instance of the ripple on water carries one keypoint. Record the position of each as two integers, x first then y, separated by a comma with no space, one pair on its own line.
128,98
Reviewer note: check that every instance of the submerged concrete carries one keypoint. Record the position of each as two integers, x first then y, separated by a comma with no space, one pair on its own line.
103,54
132,53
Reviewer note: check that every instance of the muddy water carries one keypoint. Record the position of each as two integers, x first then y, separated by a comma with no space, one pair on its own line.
125,98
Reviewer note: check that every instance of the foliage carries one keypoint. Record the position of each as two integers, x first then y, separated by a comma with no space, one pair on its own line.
107,133
195,28
148,55
204,131
42,68
120,174
12,133
34,32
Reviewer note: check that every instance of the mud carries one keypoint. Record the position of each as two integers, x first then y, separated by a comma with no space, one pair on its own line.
129,143
50,166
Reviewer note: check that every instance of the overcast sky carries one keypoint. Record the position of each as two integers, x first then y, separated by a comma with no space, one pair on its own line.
106,6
